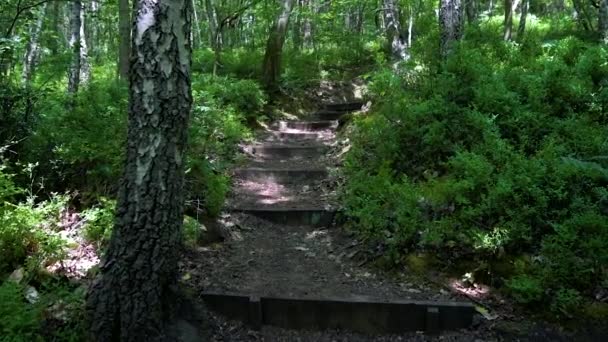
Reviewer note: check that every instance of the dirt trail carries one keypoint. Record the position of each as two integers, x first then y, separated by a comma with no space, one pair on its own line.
267,258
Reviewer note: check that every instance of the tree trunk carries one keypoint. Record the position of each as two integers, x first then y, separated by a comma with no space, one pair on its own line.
525,7
471,11
75,40
398,46
216,38
510,7
132,300
124,48
85,66
33,48
450,24
603,20
197,24
274,48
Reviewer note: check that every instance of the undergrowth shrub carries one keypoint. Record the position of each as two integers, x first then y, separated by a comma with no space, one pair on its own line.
501,153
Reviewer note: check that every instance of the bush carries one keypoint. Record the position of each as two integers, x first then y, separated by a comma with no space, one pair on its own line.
500,152
19,320
99,222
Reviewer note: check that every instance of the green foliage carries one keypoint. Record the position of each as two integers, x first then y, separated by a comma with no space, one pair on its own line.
83,146
58,306
244,96
503,150
99,222
525,289
19,320
28,234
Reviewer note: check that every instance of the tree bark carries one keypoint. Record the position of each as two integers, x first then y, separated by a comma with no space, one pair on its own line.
32,48
450,24
85,66
525,6
132,299
74,43
274,48
471,10
124,48
398,45
510,7
603,20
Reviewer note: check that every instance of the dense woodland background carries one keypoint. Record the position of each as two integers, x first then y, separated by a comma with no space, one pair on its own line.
484,153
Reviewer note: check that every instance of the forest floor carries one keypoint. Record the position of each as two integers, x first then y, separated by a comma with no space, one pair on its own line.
274,259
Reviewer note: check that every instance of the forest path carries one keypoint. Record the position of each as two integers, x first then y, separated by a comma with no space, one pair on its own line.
280,215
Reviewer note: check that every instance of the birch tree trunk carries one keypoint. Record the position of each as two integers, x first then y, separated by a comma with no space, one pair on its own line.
124,29
398,46
85,66
74,43
32,49
132,300
274,48
450,24
510,7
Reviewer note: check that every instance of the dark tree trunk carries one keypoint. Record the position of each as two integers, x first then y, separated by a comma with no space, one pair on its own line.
471,10
124,28
274,48
525,6
450,24
132,300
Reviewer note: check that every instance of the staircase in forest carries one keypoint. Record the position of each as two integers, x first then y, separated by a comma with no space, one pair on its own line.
284,271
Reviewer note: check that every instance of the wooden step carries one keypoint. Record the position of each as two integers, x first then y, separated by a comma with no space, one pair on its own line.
276,151
359,314
302,136
327,114
307,126
344,107
281,175
315,217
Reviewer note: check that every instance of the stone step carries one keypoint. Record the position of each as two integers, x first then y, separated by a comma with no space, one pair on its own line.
281,175
344,107
274,151
311,216
358,314
306,126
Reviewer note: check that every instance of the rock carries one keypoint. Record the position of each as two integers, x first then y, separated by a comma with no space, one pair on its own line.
17,275
31,295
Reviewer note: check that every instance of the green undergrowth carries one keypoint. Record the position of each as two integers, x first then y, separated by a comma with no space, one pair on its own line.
502,152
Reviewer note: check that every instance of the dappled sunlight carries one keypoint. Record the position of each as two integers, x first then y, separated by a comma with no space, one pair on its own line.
472,290
266,191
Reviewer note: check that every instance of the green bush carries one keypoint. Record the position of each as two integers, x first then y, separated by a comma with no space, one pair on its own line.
502,151
99,222
19,320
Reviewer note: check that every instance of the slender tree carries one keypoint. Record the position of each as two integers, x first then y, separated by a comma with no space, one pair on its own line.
274,48
74,43
510,7
32,49
450,24
398,45
134,295
124,28
603,20
525,7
